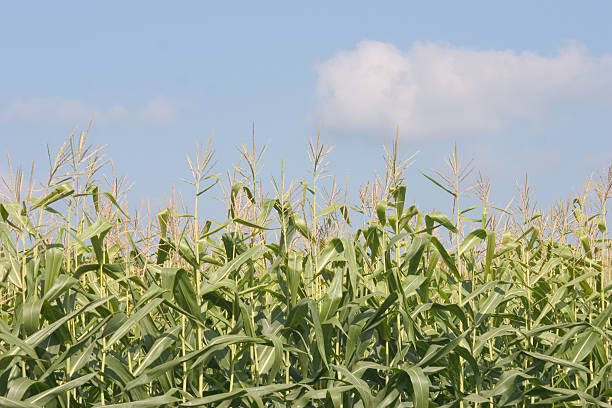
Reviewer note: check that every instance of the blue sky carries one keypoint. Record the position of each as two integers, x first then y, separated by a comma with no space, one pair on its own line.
521,86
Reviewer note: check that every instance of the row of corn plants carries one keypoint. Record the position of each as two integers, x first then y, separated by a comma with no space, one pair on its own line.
298,298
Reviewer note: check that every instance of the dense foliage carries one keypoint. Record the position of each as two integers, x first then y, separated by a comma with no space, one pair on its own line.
299,299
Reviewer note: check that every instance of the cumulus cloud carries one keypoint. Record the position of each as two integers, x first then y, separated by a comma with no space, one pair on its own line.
157,111
432,89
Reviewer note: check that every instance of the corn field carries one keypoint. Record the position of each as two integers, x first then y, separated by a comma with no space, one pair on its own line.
299,298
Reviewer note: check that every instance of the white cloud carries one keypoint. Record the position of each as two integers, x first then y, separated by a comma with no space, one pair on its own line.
45,110
157,111
116,113
435,89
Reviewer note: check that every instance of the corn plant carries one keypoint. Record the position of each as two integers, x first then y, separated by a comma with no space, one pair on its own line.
291,301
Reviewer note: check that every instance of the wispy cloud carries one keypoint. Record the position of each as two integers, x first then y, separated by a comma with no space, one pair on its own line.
432,90
157,111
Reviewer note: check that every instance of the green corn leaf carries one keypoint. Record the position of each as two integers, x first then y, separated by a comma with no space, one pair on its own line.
10,403
318,330
420,386
133,320
161,344
46,396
